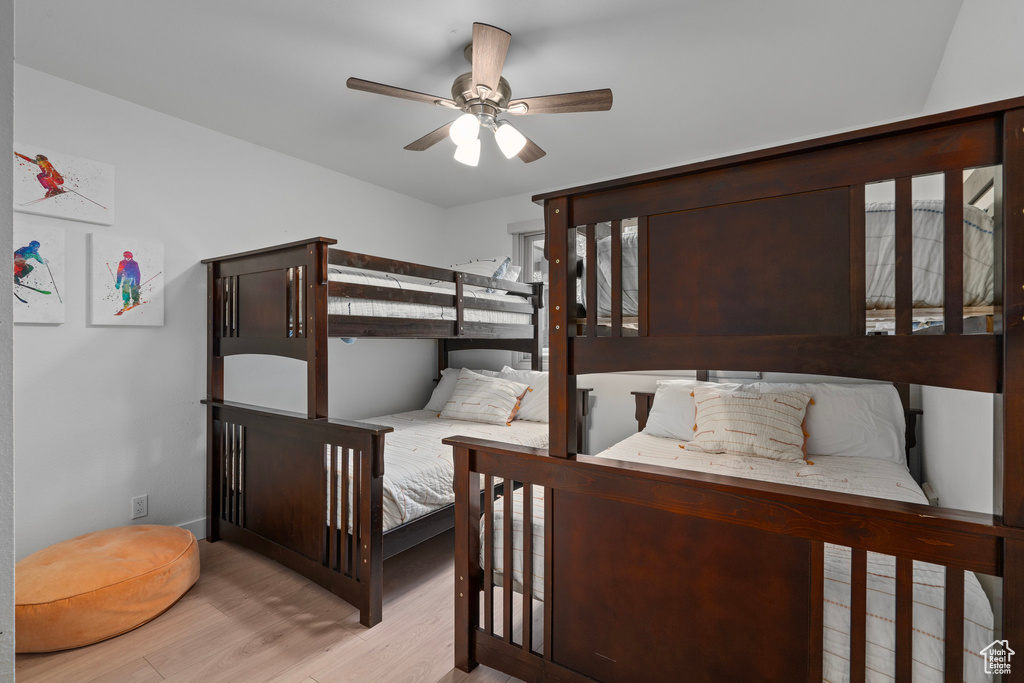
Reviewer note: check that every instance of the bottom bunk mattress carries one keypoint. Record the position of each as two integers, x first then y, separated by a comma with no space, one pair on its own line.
853,475
418,468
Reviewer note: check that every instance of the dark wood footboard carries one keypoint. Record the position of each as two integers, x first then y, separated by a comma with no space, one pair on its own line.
656,573
280,482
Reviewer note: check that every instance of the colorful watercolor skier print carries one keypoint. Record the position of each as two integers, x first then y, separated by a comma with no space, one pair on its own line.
54,184
127,281
38,273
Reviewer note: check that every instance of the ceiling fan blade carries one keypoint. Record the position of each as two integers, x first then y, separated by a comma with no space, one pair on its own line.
430,139
530,151
401,93
588,100
490,45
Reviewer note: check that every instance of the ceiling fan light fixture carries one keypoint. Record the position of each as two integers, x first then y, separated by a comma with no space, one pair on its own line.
509,139
468,153
465,129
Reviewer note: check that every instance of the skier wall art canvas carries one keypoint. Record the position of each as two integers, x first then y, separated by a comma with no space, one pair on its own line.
38,273
127,281
54,184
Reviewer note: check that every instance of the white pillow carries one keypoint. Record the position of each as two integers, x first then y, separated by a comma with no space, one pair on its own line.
445,386
865,420
534,406
493,267
767,425
672,415
477,398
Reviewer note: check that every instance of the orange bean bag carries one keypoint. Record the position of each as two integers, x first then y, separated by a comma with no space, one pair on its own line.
100,585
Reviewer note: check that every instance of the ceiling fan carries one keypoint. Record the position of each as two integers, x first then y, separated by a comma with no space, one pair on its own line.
483,95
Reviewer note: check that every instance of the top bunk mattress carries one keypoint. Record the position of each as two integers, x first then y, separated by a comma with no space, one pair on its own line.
338,305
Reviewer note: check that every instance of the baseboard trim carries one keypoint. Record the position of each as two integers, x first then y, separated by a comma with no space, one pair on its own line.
197,527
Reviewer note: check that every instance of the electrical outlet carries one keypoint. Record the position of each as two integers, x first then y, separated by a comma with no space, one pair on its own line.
140,506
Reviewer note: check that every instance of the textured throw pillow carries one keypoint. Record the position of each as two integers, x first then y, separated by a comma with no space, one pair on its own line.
534,406
477,398
858,418
446,385
749,423
672,413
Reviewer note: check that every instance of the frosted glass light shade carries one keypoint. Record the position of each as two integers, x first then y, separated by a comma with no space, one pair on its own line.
468,153
465,128
510,140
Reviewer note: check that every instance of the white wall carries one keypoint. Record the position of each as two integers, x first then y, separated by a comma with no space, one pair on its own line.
6,353
984,57
104,414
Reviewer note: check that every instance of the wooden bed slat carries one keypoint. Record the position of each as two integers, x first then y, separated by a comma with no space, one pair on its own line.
953,254
489,554
904,619
346,563
954,617
412,296
816,597
643,287
549,567
858,287
357,508
418,328
616,279
350,259
858,614
332,510
1011,249
507,592
591,284
904,296
527,567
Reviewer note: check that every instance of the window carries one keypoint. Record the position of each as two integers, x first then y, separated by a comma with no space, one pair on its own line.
530,255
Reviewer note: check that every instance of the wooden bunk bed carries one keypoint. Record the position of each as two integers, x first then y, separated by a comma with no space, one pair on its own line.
654,573
269,471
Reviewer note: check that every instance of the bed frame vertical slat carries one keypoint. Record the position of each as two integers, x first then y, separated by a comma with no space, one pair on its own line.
904,619
214,392
233,484
346,564
954,614
527,567
953,254
332,510
225,467
233,331
467,558
643,291
507,562
549,564
489,554
816,614
616,256
858,287
562,384
356,495
904,294
858,614
241,476
314,329
460,311
1012,297
592,268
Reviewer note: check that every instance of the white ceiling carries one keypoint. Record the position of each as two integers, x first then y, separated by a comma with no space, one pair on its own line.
691,79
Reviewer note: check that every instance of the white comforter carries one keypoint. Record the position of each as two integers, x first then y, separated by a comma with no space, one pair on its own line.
418,468
338,305
861,476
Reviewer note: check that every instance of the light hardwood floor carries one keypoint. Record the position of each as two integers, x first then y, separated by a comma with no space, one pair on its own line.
249,619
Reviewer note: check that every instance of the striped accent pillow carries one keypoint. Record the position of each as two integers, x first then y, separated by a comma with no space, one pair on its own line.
484,399
749,423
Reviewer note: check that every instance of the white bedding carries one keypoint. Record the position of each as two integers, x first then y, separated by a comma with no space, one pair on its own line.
880,225
855,475
418,468
338,305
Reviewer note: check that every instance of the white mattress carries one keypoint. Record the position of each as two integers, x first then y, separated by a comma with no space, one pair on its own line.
880,227
338,305
418,468
861,476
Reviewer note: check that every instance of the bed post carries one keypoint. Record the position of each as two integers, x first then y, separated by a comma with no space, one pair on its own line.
214,392
1012,442
537,349
562,269
316,341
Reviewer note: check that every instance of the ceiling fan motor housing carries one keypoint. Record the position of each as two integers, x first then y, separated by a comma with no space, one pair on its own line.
468,100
